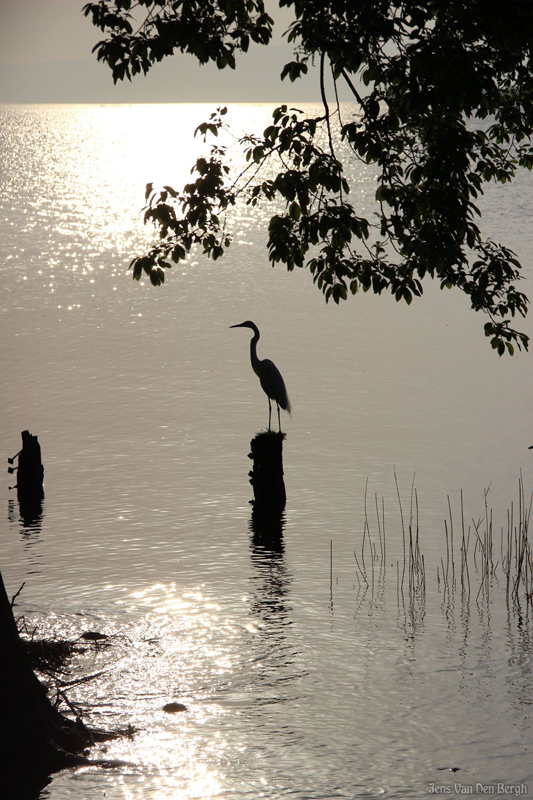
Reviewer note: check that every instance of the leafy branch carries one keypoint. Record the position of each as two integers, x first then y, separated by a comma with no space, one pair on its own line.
444,94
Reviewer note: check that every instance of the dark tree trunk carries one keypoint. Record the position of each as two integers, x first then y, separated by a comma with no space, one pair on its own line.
35,739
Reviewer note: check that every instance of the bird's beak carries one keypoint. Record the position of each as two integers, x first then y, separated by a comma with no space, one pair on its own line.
236,326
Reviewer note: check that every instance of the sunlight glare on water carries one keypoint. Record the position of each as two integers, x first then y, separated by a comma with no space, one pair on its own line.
186,629
184,648
81,211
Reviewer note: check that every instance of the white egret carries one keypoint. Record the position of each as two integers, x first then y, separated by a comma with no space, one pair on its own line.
269,375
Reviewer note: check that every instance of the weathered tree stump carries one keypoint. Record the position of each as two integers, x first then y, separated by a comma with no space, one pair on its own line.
266,475
30,476
31,471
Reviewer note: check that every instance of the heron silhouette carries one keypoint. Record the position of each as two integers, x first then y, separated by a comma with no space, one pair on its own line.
269,375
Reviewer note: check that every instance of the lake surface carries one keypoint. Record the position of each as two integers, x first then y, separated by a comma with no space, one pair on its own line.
301,678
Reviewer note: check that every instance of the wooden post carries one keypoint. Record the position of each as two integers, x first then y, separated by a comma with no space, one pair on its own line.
266,476
31,471
30,476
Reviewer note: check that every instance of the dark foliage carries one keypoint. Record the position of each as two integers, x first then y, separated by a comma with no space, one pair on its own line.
444,104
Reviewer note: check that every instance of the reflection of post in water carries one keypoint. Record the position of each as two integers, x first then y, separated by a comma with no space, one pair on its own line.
30,475
270,568
279,664
30,531
29,525
267,533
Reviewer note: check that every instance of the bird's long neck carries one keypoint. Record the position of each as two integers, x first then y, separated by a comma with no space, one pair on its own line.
253,352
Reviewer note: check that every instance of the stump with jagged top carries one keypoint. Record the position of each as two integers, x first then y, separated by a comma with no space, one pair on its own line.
266,476
30,474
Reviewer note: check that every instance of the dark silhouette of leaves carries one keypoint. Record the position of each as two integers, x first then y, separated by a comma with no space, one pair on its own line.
444,104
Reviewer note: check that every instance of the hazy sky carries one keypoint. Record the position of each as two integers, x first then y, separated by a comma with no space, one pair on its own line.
45,57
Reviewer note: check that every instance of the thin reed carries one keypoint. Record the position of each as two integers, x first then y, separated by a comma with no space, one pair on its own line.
469,562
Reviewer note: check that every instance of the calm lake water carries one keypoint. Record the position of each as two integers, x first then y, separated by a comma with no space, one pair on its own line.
300,679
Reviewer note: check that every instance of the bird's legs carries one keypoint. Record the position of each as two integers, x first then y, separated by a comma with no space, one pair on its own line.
279,418
269,412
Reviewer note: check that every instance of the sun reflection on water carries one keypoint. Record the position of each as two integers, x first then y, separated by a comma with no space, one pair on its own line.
88,167
82,212
223,663
184,649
